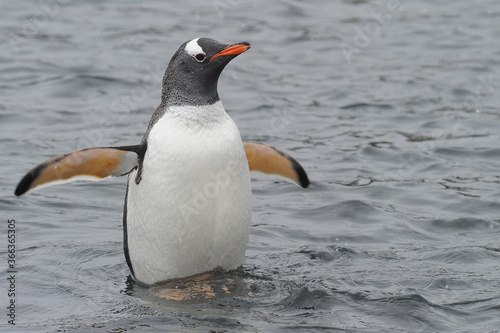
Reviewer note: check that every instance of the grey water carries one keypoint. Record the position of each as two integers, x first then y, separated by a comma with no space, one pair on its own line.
392,107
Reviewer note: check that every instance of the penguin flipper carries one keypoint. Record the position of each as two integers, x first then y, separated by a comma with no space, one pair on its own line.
271,160
87,164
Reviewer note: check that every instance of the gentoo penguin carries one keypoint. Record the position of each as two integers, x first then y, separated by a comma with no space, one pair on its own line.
188,201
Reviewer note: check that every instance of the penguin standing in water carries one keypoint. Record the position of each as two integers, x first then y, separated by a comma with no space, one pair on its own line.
188,202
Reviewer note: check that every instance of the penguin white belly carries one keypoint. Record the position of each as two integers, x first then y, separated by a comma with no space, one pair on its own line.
191,211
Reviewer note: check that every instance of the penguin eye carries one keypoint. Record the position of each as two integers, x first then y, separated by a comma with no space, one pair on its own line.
200,57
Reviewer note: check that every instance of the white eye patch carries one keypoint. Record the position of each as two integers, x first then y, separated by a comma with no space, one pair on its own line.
193,48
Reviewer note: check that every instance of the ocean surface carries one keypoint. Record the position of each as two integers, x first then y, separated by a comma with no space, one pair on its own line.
392,107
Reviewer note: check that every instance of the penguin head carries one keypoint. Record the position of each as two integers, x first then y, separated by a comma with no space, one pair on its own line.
193,72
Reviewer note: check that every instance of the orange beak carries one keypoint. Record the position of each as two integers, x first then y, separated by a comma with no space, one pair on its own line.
233,49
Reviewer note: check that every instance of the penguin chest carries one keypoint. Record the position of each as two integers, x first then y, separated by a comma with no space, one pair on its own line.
191,211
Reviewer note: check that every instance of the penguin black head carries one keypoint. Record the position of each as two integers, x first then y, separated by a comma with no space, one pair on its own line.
193,72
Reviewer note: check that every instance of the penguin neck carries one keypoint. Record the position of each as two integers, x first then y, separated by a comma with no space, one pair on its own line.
177,104
179,91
